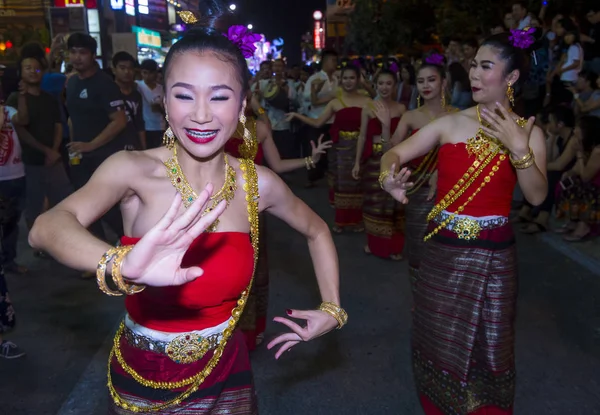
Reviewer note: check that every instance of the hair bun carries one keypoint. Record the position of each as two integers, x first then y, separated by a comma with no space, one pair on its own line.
210,11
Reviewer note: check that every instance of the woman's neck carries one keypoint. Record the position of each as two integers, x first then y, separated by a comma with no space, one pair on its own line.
208,170
434,105
492,107
387,100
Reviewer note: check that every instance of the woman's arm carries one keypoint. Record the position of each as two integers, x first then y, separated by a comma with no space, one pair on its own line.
402,129
564,159
587,170
265,137
62,231
532,181
319,122
587,106
362,137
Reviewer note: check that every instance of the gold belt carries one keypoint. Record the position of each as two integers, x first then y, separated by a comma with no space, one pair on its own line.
349,135
186,348
469,228
377,147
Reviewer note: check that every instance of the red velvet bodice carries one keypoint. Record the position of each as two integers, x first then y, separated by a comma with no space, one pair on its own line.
227,259
373,129
232,146
494,199
346,119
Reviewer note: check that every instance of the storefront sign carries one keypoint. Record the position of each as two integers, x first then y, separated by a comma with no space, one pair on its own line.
130,7
117,4
146,37
143,7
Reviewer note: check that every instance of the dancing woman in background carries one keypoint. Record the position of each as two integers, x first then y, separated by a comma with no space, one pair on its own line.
431,84
465,296
382,214
178,349
346,109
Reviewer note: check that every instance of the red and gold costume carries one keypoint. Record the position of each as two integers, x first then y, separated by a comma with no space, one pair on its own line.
348,195
465,293
382,214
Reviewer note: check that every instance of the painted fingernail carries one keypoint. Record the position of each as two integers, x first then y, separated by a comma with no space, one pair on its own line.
289,312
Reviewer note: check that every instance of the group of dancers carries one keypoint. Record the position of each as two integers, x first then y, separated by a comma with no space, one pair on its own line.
199,201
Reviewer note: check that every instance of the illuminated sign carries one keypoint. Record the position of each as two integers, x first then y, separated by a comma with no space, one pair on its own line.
130,7
147,37
319,35
143,7
117,4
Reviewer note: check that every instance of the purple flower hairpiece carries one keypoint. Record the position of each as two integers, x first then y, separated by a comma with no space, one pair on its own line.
435,59
244,39
394,67
356,63
522,39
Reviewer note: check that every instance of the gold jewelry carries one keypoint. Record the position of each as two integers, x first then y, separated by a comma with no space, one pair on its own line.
336,312
251,186
418,101
525,162
187,17
101,273
309,163
443,99
424,170
510,93
188,195
169,138
117,276
249,148
382,176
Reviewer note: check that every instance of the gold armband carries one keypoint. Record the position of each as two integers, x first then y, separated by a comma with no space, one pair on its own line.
336,312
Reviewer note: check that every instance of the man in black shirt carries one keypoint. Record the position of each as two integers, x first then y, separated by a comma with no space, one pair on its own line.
135,132
592,50
39,114
97,117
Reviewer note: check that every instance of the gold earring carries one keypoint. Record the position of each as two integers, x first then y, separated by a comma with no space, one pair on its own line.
510,93
418,101
443,99
250,146
168,136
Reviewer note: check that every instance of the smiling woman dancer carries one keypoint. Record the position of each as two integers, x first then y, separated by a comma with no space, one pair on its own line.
188,256
463,322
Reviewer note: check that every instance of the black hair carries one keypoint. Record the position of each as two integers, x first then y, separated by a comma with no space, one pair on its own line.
521,3
471,42
563,114
82,40
328,53
593,7
33,51
149,65
440,68
386,71
411,73
352,68
591,77
122,57
203,37
514,58
570,27
590,132
458,74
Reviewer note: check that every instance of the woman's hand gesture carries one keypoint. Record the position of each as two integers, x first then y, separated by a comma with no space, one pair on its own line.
397,184
382,112
317,324
156,259
320,148
514,137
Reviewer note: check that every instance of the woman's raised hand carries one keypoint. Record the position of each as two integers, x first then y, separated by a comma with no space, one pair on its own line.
320,148
156,259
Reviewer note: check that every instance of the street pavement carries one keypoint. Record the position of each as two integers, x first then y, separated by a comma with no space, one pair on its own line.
65,324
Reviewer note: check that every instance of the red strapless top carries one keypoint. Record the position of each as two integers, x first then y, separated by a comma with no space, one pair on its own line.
346,119
494,199
373,129
232,146
227,259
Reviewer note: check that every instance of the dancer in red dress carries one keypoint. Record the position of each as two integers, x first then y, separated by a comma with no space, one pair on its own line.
178,349
382,214
346,109
465,296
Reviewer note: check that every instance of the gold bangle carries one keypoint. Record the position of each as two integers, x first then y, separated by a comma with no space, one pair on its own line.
382,176
117,276
525,162
101,273
336,312
307,162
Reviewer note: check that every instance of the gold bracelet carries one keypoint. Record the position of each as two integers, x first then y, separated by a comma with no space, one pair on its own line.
336,312
525,162
101,273
382,176
307,162
312,163
117,276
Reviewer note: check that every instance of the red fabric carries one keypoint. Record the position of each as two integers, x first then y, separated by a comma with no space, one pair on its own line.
348,217
494,199
385,247
346,119
430,409
232,146
206,301
373,129
331,196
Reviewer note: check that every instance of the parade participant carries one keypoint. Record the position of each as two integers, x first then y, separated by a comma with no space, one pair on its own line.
344,131
259,146
178,349
431,84
465,296
382,214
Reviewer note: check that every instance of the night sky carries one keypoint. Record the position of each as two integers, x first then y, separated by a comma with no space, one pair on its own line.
280,18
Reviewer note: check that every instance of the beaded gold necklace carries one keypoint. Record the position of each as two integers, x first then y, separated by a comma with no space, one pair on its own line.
188,195
194,382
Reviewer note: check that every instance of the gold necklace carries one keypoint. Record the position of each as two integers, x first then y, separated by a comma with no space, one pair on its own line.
188,195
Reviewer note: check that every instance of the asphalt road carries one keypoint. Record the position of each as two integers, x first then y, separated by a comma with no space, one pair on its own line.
65,325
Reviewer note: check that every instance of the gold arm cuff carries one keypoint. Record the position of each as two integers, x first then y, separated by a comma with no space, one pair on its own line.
336,312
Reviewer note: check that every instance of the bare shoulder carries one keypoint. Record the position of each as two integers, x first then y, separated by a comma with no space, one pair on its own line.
134,164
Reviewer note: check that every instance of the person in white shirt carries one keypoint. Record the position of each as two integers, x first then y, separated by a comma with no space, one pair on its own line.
566,73
320,88
521,15
153,94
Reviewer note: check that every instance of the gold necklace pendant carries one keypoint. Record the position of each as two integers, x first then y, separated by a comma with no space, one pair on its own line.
188,195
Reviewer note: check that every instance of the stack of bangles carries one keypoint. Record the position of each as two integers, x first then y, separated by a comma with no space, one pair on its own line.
382,176
336,312
525,162
116,255
310,164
